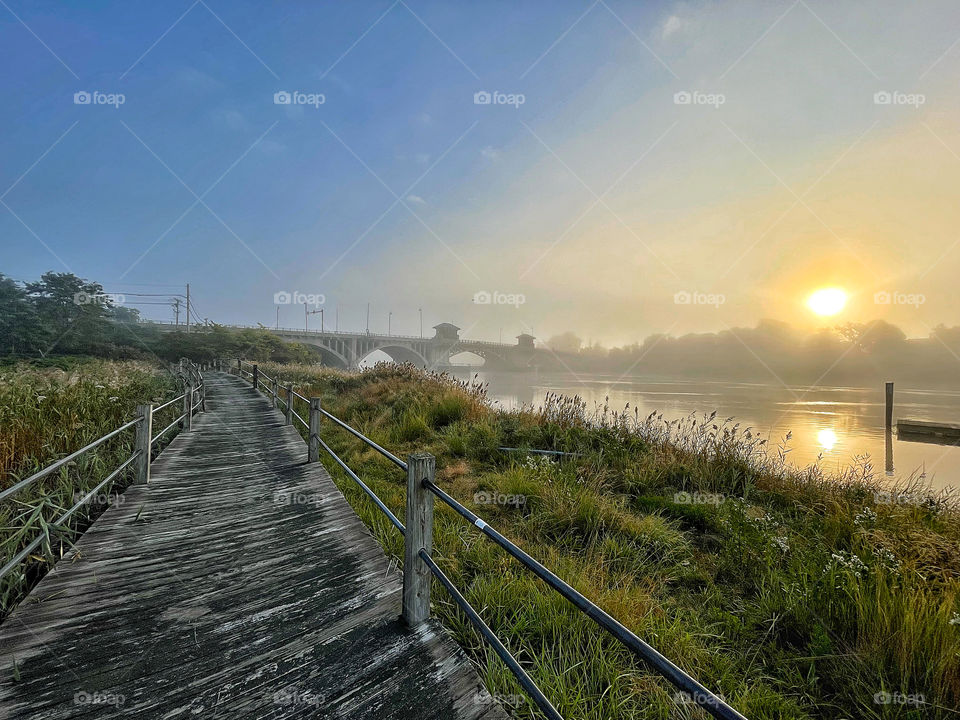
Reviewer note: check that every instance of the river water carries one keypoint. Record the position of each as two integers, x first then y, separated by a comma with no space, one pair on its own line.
835,426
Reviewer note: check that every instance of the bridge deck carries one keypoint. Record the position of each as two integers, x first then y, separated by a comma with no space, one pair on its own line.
238,584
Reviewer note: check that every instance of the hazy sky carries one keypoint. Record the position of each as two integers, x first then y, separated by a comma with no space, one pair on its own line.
595,201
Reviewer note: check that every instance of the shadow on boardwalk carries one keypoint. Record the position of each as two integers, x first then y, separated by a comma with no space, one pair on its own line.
238,584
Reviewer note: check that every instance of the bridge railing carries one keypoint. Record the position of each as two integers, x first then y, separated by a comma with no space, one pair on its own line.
192,399
419,565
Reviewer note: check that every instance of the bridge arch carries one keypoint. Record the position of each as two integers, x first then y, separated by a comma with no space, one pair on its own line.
328,356
397,353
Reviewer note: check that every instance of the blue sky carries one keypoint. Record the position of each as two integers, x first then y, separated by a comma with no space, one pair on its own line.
200,177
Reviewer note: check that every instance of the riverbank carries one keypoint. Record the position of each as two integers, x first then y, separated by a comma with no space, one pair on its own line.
794,594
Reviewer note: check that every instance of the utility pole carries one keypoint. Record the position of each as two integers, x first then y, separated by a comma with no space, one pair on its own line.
307,313
338,317
390,323
421,322
368,318
188,307
278,317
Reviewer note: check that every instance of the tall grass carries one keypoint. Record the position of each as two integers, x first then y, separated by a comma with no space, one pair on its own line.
45,414
794,594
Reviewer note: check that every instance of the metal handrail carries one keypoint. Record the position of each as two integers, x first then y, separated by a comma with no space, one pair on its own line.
167,429
16,560
383,451
13,489
168,404
680,679
23,484
700,694
373,496
526,682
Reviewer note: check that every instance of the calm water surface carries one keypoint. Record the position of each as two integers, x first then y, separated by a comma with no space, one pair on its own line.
831,425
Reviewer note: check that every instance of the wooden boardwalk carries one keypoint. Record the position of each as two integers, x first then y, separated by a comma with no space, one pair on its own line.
238,584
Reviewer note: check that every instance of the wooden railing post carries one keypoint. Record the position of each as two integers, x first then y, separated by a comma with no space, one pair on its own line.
313,448
256,377
274,393
239,367
142,443
290,404
418,535
188,406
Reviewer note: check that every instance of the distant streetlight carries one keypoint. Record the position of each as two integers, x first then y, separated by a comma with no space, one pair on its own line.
368,318
278,317
421,322
390,323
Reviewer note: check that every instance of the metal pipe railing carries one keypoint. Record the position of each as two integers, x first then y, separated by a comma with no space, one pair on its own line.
143,444
372,495
700,694
178,398
356,433
526,682
18,558
14,489
680,679
167,429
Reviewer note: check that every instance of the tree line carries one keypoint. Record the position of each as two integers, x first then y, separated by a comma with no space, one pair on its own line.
62,314
852,353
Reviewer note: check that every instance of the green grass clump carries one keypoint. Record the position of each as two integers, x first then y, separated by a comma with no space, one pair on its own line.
792,593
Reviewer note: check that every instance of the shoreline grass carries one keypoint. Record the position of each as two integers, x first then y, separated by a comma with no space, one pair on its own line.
792,593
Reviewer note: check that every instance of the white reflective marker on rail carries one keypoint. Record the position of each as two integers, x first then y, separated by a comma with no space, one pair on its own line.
480,523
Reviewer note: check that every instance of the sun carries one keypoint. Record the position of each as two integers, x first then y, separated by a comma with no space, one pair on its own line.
827,301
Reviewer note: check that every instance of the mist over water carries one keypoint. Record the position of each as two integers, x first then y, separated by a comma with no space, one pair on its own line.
832,426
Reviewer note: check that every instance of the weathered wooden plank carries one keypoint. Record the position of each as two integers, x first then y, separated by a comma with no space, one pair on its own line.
237,583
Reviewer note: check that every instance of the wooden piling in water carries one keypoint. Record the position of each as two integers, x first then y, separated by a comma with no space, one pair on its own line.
888,425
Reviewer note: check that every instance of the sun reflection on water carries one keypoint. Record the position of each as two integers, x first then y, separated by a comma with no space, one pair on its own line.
827,438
